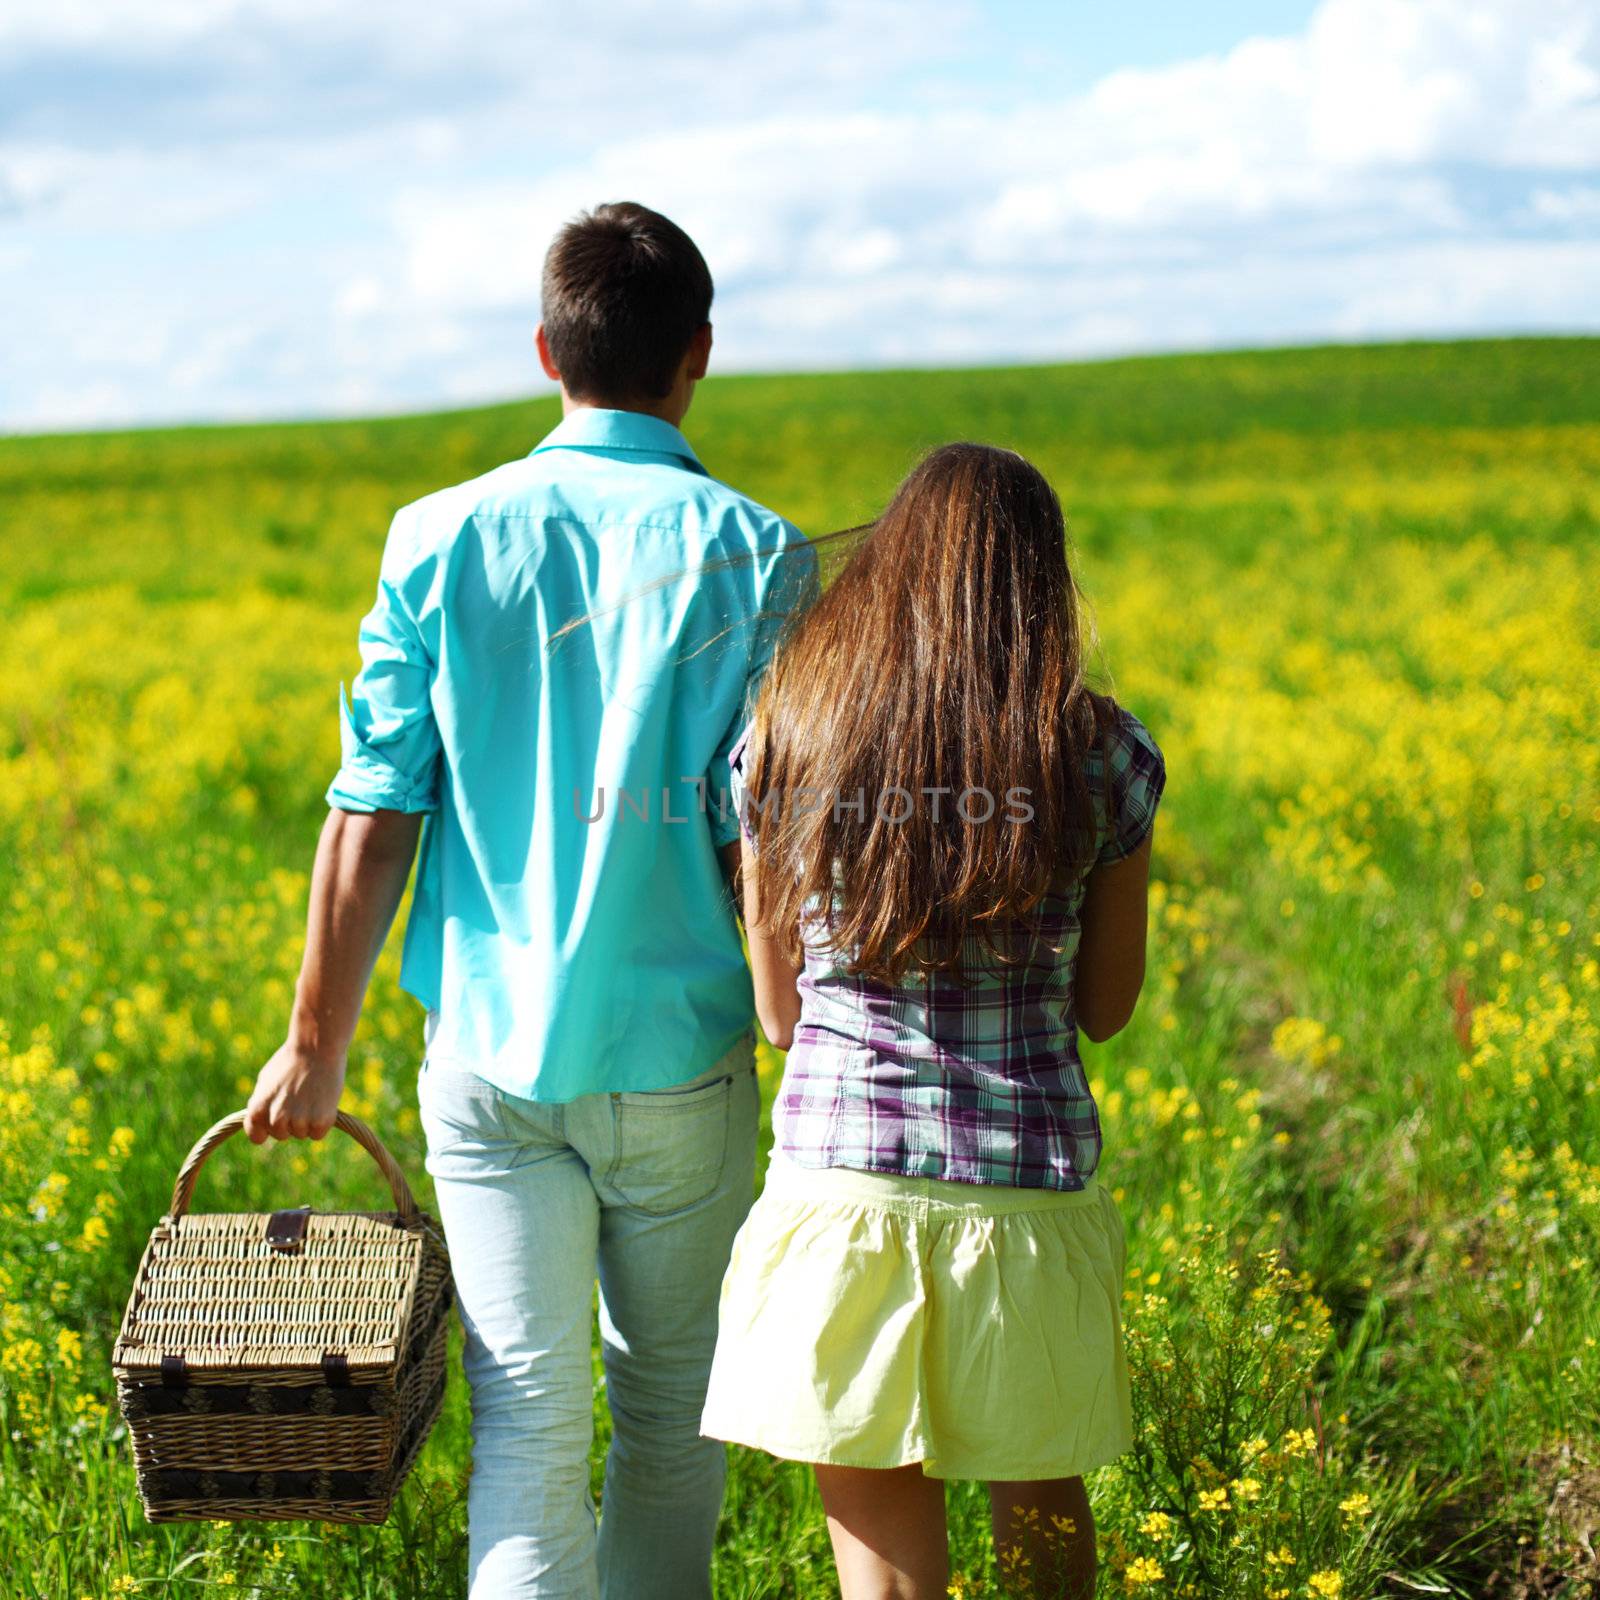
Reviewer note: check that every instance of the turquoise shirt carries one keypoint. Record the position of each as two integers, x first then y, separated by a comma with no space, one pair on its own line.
570,924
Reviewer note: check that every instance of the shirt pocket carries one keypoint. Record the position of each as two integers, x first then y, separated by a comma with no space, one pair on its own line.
671,1145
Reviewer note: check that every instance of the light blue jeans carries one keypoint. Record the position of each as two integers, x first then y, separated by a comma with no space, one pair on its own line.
647,1191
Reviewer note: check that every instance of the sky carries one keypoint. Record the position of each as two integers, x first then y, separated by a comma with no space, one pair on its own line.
263,208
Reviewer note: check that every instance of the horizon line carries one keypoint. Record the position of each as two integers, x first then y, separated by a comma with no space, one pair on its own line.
548,392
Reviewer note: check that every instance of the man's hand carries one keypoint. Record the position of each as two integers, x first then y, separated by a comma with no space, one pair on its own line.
360,874
295,1097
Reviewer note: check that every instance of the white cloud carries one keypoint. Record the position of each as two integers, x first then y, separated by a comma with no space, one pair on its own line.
1336,144
1398,166
1509,84
360,297
1576,203
165,73
1439,288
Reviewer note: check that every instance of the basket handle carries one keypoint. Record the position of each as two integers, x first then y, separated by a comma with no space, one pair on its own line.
189,1172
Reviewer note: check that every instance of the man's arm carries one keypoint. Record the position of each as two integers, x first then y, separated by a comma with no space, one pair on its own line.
363,861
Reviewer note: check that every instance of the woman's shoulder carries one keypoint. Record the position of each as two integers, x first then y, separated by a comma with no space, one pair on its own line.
1125,743
1126,773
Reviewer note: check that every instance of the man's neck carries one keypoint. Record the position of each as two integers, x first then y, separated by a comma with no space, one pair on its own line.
670,410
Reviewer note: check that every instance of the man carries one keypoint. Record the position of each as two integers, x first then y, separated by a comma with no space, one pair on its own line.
561,656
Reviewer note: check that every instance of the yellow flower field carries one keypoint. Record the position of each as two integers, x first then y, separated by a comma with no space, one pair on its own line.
1354,1128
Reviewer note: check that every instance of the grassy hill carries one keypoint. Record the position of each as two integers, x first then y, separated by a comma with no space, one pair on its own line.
1185,441
1351,592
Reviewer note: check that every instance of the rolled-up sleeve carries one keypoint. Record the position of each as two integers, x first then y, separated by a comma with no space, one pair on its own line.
388,736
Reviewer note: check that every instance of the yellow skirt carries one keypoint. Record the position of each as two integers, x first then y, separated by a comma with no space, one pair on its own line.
875,1321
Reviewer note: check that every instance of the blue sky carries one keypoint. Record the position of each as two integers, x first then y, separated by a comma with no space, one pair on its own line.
308,207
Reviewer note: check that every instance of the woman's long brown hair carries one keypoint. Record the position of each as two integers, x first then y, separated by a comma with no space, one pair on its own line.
947,655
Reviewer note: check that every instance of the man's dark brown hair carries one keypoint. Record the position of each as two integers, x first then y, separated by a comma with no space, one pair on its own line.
624,291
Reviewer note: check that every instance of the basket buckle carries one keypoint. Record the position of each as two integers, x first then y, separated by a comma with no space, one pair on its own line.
286,1230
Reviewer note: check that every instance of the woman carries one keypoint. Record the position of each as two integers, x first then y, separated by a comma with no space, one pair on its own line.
945,868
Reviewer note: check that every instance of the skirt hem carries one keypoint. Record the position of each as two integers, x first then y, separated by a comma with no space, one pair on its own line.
820,1455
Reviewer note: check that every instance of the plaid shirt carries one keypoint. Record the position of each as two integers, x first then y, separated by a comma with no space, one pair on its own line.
974,1078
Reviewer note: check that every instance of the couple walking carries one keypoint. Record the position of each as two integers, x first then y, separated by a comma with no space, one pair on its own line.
610,685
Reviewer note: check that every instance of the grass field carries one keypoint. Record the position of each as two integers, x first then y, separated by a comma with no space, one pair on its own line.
1353,1127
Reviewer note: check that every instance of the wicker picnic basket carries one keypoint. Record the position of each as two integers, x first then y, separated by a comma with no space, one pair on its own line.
286,1365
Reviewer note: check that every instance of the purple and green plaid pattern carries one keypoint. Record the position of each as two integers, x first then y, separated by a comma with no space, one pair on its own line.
976,1079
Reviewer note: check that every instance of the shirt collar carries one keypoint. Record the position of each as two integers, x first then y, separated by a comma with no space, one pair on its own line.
591,428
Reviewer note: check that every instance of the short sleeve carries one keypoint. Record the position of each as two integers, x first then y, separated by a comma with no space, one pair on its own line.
788,586
1132,775
388,736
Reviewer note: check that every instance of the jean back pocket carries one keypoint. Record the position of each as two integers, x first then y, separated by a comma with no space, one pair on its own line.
672,1144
